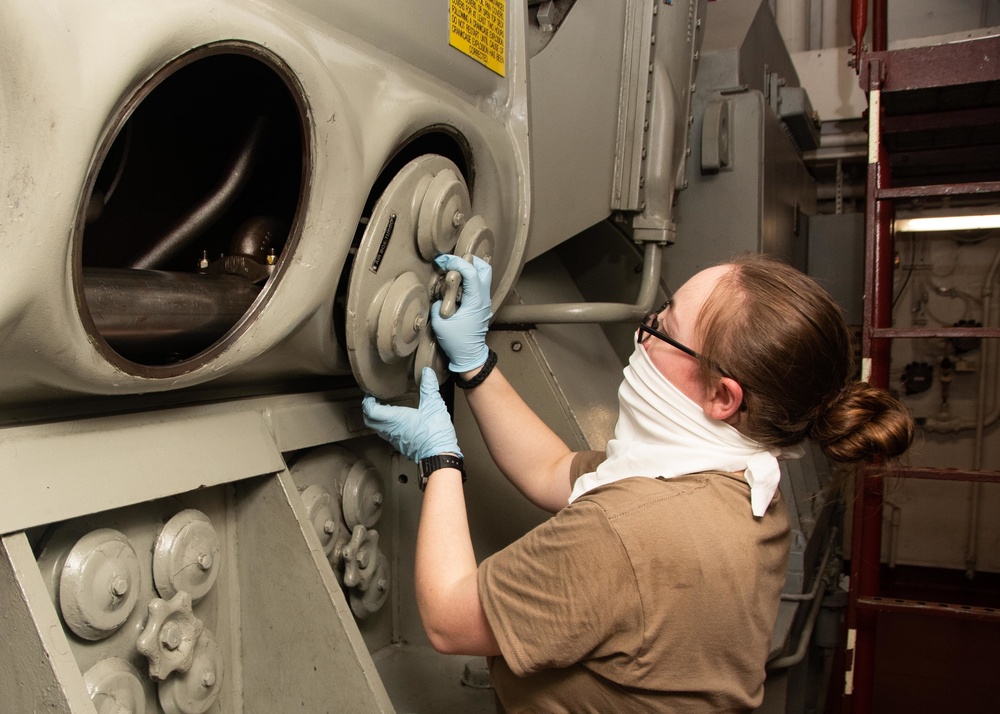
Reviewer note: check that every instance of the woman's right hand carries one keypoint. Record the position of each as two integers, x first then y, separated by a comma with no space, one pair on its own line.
463,335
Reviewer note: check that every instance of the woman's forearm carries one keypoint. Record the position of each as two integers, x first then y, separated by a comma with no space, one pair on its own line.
528,453
445,572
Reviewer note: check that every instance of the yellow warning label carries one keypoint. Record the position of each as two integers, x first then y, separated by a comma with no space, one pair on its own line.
478,29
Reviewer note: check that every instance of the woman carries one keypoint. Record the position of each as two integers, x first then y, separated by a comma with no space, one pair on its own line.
656,585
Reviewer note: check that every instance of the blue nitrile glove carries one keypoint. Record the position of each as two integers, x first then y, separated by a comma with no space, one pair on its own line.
463,335
416,433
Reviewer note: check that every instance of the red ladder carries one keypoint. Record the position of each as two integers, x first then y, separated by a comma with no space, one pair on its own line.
891,78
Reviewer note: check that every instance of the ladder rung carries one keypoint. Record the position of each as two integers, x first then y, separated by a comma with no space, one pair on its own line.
939,474
922,332
925,120
949,65
949,189
926,607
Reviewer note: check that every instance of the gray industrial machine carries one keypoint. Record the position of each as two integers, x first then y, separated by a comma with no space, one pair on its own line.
219,225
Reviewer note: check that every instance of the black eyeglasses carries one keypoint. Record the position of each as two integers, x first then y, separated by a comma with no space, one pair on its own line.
650,325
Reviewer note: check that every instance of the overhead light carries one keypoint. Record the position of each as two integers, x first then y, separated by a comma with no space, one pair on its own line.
927,224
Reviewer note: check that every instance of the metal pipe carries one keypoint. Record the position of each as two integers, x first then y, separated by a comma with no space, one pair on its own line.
592,312
845,138
880,25
859,23
800,651
150,310
208,212
792,18
806,636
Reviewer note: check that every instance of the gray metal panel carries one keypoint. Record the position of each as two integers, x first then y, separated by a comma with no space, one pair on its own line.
48,471
789,196
761,201
837,259
573,93
722,213
632,103
37,670
319,661
51,472
576,355
402,27
742,43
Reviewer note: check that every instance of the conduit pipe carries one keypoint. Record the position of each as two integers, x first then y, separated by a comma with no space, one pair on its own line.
143,310
592,312
210,210
803,647
845,138
806,637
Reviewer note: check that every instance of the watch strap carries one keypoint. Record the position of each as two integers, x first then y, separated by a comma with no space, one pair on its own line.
439,461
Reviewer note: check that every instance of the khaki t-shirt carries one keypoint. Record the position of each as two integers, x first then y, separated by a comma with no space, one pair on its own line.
642,595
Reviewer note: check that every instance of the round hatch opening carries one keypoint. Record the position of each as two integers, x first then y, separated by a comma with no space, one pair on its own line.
192,209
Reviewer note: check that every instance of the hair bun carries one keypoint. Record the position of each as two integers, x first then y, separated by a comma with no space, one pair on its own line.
861,423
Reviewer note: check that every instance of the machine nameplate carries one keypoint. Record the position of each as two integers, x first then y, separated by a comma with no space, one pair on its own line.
390,224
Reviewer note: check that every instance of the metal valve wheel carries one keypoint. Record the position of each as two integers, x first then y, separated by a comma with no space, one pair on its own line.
360,557
169,638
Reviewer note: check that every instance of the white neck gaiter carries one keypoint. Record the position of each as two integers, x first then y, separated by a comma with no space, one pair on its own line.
661,433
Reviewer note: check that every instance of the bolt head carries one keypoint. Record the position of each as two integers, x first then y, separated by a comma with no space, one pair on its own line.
329,527
208,678
377,499
119,586
205,561
171,636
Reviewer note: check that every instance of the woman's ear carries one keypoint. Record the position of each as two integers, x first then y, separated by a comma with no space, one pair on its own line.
725,400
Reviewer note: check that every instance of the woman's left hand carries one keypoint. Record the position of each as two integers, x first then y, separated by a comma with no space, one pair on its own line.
416,433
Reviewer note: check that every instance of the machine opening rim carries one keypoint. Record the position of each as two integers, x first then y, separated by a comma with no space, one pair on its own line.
297,129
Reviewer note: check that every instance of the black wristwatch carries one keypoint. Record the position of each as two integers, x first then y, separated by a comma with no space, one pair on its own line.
440,461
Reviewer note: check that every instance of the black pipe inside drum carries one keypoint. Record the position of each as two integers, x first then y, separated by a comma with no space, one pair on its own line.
159,317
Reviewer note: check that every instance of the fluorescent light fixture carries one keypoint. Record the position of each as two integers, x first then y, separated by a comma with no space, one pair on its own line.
946,223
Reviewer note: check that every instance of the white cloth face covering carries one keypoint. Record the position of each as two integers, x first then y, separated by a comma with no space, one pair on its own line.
661,433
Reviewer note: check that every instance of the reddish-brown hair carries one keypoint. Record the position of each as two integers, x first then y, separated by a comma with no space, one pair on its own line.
784,339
